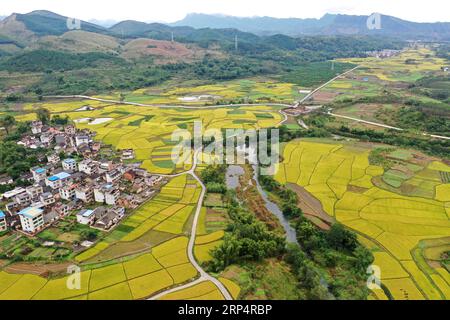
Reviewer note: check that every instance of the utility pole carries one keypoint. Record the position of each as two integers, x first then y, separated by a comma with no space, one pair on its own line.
172,37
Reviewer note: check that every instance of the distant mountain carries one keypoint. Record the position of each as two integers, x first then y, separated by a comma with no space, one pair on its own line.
28,27
329,24
103,23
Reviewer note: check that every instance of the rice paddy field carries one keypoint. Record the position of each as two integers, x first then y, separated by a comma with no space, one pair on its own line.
148,130
397,223
375,75
255,90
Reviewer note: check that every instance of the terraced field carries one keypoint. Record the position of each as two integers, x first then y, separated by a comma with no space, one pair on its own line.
255,90
148,130
393,225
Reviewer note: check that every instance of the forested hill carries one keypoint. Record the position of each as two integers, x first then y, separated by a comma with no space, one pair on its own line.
329,24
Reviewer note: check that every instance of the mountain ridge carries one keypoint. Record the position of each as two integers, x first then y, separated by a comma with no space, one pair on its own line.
329,24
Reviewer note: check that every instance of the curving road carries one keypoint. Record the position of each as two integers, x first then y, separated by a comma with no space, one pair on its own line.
204,276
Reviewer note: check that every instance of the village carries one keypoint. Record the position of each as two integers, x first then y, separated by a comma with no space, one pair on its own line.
94,183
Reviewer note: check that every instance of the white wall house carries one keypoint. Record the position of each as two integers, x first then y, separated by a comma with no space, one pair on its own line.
113,176
53,158
69,165
32,219
67,192
86,217
79,140
39,174
88,167
84,193
58,180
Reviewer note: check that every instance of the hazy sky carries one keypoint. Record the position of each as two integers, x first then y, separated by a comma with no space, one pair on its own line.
172,10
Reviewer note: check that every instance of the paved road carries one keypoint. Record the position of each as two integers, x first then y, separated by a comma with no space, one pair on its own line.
364,121
204,276
385,126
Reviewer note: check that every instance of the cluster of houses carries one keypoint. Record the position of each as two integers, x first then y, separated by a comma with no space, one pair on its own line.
98,190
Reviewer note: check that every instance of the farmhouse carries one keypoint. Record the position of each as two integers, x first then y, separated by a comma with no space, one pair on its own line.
88,166
39,174
69,165
58,180
32,219
86,216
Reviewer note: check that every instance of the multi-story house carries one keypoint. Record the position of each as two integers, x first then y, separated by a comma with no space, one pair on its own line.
39,174
82,139
36,127
85,193
35,191
106,194
23,199
86,217
32,219
69,165
58,180
47,138
53,158
113,176
47,199
88,166
67,192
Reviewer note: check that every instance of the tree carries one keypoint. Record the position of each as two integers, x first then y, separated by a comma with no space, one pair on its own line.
341,239
7,122
43,115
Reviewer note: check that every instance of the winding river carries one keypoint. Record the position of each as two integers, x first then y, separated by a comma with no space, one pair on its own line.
232,179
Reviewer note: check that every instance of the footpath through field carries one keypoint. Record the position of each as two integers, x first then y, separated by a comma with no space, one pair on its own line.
204,276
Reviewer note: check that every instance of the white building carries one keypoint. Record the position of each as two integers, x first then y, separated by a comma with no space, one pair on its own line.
39,174
88,166
34,191
47,199
58,180
67,192
79,140
113,176
53,158
36,127
3,225
69,165
84,193
86,217
46,138
32,219
106,194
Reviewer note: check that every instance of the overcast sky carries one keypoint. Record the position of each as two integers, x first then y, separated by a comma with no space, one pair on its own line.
173,10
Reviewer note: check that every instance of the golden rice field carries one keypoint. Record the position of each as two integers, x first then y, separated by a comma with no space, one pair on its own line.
256,90
148,130
131,278
421,61
391,224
